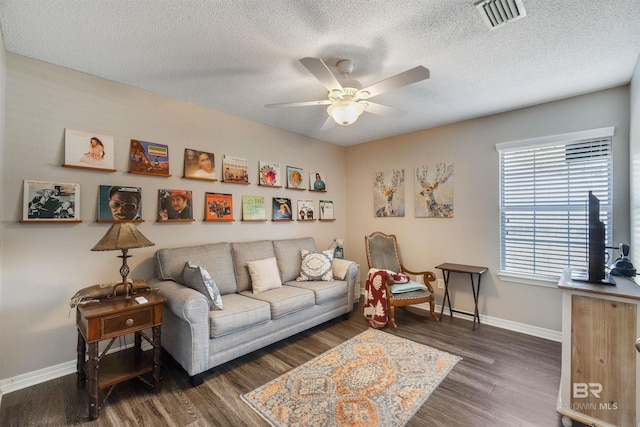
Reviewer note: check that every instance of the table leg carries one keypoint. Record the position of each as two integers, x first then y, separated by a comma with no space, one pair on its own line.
476,294
157,359
94,404
446,274
81,348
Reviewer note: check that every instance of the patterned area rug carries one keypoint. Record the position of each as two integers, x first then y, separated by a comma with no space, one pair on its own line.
373,379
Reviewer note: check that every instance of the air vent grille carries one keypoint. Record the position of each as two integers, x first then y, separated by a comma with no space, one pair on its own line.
496,13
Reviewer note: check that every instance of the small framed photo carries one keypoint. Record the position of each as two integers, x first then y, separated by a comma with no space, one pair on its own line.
218,207
295,178
119,203
282,209
175,205
51,201
316,181
326,210
235,170
88,150
305,210
148,158
199,165
269,174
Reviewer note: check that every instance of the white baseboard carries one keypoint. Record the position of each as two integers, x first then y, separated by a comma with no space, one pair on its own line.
47,374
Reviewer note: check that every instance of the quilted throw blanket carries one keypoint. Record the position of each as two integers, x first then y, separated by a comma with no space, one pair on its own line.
375,298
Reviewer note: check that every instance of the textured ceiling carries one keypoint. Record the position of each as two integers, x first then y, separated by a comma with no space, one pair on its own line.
236,56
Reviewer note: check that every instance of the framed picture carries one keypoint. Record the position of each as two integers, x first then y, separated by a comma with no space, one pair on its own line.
119,203
51,201
305,210
269,174
388,193
218,207
433,191
295,178
235,170
253,208
326,210
199,165
282,209
148,158
175,205
88,150
316,181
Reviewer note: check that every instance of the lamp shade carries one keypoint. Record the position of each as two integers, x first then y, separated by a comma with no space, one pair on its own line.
345,112
122,235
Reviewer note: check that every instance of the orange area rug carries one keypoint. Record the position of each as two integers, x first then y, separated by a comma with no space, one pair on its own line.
373,379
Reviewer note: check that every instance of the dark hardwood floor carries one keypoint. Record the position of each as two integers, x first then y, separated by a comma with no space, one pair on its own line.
504,379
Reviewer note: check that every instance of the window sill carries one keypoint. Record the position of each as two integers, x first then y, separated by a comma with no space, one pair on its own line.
544,281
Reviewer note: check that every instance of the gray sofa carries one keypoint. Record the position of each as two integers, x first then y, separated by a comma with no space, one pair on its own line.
200,338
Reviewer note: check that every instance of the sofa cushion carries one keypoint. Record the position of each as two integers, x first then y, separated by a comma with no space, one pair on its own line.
216,258
323,291
248,251
288,255
264,275
316,266
239,313
285,300
198,278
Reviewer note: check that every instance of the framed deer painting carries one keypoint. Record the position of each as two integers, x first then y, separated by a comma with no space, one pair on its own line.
433,191
388,193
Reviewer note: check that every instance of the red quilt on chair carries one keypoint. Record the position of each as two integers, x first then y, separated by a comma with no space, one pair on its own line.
375,298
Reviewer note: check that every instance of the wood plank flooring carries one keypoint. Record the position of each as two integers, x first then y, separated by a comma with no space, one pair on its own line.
504,379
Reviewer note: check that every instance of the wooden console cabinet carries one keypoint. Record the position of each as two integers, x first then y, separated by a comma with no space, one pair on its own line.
599,383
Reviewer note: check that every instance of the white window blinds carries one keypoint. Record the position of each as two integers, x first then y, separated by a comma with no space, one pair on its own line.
544,184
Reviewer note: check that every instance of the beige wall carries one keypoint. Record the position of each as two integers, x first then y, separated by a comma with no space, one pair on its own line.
44,265
634,164
472,236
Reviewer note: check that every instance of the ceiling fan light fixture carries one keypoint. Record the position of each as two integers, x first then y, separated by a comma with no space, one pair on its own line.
345,112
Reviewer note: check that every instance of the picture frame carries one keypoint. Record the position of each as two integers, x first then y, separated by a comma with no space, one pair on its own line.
218,207
253,208
235,170
199,165
175,206
148,158
306,210
326,210
317,181
47,201
119,203
388,193
269,174
295,178
282,209
89,150
433,190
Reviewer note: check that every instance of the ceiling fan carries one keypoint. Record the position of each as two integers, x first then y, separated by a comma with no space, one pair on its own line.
347,103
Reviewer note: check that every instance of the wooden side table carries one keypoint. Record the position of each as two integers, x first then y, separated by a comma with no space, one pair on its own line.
447,269
110,319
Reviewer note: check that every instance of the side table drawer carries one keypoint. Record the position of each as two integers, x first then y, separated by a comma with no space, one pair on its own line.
133,321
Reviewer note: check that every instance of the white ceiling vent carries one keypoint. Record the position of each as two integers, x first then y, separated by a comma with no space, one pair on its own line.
496,13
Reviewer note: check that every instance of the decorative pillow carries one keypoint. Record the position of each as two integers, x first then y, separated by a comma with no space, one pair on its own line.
400,278
264,275
400,288
316,266
198,278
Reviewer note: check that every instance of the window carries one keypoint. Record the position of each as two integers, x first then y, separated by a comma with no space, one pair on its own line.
544,184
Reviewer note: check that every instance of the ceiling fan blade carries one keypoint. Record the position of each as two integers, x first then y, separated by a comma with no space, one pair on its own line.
320,70
403,79
298,104
383,110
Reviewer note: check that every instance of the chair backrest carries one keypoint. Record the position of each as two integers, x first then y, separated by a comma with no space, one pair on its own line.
382,251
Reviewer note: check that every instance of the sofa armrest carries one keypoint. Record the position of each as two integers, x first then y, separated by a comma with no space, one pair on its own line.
185,327
350,269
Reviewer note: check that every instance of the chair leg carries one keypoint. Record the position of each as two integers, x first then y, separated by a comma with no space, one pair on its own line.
432,307
391,311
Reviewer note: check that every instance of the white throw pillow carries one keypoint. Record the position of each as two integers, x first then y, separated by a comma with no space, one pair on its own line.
198,278
264,275
316,266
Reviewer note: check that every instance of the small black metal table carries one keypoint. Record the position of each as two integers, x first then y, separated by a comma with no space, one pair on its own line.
447,269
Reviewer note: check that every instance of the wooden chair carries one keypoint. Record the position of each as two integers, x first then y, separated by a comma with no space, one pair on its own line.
382,253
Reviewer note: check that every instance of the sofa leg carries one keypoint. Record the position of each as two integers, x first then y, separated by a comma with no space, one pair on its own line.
347,315
197,379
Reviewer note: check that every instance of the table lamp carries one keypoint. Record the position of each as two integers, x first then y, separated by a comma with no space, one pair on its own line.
123,236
